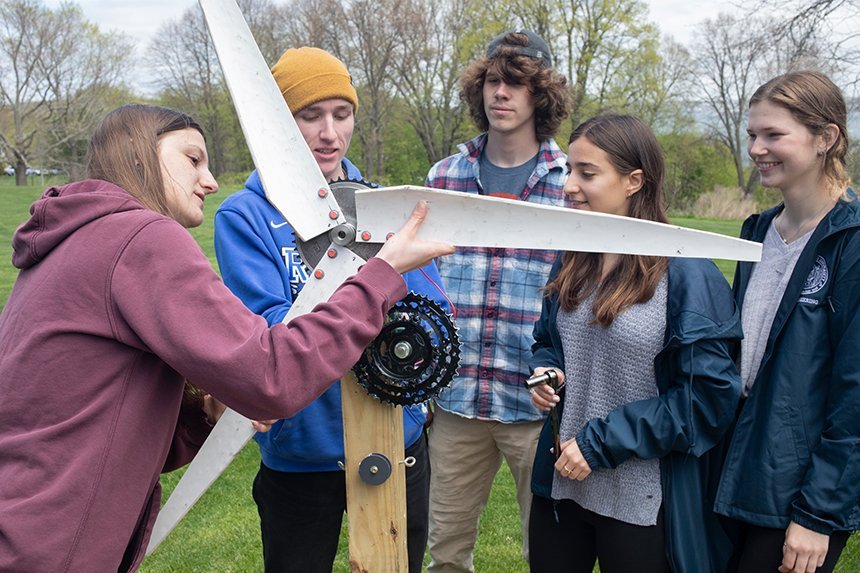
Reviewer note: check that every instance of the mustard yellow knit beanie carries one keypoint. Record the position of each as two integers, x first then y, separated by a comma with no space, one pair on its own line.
307,75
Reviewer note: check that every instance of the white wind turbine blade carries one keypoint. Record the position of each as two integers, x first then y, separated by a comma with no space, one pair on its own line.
291,177
224,443
468,220
233,430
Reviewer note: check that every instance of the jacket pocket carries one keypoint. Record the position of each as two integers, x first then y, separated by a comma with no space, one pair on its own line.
790,448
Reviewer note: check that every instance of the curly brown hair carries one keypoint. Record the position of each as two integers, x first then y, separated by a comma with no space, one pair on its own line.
547,87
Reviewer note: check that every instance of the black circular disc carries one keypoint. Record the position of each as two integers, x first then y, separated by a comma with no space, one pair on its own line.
415,355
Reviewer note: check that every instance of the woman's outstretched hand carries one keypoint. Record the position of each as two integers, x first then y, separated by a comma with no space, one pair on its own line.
404,252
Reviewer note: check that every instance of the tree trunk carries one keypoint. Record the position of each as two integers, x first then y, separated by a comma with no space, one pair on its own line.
752,182
20,173
739,168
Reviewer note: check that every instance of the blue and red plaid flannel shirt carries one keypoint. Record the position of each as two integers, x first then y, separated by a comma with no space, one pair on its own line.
497,294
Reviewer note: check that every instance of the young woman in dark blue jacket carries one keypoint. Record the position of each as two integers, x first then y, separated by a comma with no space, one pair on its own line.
791,480
644,344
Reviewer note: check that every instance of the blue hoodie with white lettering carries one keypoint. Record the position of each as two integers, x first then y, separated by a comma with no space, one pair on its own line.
258,260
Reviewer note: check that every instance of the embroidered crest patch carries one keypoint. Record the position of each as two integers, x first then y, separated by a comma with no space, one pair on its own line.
817,277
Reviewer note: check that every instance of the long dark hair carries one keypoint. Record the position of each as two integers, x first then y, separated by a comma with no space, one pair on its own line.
630,145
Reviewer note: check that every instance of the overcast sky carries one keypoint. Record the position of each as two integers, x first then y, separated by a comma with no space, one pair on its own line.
140,19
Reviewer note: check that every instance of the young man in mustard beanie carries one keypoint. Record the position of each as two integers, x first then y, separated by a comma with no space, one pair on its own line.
300,490
318,90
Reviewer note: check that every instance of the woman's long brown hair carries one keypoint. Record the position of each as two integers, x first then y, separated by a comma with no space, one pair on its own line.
124,150
630,145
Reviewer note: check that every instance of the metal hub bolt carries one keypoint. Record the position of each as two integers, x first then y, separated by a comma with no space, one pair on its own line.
402,350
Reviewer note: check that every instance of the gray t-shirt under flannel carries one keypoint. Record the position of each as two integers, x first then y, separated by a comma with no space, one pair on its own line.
507,180
604,369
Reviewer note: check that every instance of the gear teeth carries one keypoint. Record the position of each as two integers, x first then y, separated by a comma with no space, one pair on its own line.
418,320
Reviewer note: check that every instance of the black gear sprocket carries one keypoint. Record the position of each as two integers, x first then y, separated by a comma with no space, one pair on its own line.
415,355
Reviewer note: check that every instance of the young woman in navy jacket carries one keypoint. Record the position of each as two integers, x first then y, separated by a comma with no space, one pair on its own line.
791,480
644,344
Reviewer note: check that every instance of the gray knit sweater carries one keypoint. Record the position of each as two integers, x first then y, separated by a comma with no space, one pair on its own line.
606,368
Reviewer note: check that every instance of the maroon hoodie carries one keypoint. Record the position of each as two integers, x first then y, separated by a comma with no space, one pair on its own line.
114,307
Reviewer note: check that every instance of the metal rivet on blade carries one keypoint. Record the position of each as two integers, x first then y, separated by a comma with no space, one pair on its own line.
323,192
388,236
333,215
331,253
319,273
365,236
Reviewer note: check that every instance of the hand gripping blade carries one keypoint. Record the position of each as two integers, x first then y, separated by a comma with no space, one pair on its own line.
291,177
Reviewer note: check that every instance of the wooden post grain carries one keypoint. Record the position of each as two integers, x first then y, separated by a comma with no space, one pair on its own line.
376,513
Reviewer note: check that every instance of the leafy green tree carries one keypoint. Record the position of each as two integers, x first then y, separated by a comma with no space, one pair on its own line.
612,55
695,164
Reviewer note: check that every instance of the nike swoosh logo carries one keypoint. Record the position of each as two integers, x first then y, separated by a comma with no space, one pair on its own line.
278,225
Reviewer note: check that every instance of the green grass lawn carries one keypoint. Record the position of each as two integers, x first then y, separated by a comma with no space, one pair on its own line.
221,533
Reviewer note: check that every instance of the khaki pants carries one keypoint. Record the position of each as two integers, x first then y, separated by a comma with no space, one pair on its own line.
465,455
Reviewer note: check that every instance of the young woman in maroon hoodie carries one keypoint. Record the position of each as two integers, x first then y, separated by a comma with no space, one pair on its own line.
115,307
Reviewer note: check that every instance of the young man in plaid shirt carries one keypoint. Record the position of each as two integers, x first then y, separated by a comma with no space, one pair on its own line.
518,100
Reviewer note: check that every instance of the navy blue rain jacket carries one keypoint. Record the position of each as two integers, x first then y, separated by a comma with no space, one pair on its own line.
795,452
699,388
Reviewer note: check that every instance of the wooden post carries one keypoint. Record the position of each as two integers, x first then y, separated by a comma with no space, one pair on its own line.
376,513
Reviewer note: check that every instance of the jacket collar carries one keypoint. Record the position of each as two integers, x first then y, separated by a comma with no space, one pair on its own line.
844,215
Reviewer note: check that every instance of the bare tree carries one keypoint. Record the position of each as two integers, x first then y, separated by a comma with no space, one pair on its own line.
269,24
311,23
55,71
433,50
367,45
190,78
735,56
728,74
